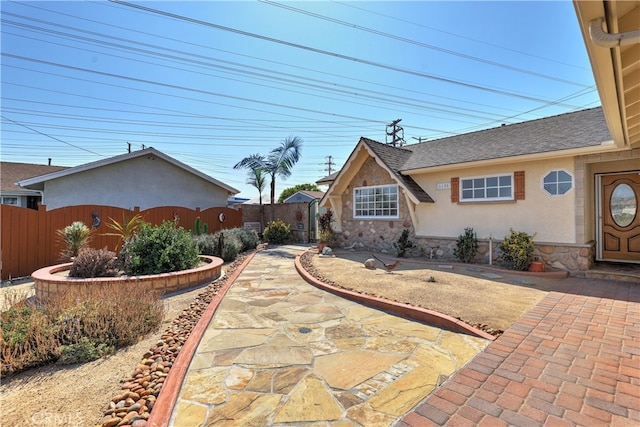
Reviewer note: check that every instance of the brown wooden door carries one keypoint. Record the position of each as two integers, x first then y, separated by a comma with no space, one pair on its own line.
621,217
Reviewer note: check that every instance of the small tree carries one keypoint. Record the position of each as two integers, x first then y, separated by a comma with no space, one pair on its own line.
325,225
466,245
279,163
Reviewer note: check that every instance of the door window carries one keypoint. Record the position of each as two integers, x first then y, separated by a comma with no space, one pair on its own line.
623,205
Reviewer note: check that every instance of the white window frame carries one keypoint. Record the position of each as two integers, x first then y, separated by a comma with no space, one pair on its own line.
356,203
17,199
542,183
473,180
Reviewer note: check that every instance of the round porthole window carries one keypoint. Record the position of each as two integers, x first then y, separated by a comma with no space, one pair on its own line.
624,205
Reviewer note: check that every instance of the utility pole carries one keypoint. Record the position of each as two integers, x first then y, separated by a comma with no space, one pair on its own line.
396,133
329,163
420,138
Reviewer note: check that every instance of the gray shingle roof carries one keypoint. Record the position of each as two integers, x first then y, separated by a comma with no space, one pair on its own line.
585,128
394,158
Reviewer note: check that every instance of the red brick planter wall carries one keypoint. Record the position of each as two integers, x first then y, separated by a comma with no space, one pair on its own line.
48,284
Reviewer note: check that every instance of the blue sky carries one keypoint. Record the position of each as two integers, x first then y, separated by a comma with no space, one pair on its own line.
210,82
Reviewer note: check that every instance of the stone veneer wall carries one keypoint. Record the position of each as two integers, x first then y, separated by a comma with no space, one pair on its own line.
373,234
559,257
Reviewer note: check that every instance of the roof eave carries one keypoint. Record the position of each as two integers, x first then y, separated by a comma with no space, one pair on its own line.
606,66
607,146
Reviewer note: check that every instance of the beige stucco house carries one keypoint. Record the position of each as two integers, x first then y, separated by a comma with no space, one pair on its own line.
146,178
573,179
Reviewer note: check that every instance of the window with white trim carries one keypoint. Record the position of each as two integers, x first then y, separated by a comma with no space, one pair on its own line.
10,201
557,182
380,201
486,188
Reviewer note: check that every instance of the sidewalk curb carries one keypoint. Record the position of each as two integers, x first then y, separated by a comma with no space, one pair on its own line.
164,405
416,313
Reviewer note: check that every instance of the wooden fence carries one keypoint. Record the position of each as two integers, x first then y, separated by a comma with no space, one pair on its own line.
28,240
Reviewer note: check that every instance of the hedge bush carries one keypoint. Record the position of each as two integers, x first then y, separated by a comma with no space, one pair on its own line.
276,231
160,249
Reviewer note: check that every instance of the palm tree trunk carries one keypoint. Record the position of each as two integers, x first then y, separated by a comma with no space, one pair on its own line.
261,215
273,198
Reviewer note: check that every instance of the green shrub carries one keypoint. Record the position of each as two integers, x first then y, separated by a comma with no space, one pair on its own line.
74,237
82,352
403,244
161,249
516,249
466,245
249,238
231,245
207,244
94,263
276,231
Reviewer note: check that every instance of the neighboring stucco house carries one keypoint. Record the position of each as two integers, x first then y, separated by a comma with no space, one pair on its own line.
573,179
146,178
304,196
11,173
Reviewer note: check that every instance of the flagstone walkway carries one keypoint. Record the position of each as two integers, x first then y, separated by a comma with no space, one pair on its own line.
279,351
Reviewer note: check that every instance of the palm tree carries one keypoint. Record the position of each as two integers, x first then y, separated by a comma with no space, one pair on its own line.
279,162
257,178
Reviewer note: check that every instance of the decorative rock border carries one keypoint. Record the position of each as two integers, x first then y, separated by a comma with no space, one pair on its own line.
48,284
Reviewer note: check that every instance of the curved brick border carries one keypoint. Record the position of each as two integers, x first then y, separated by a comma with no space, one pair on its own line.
417,313
164,405
48,284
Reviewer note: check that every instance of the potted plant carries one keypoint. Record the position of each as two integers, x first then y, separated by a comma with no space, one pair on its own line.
325,233
536,265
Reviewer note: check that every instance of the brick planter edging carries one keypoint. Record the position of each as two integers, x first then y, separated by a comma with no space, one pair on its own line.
164,405
48,284
417,313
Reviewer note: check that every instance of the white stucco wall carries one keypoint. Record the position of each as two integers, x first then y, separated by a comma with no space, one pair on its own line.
551,217
143,181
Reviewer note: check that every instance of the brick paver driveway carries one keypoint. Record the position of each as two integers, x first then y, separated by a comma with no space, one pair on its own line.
574,359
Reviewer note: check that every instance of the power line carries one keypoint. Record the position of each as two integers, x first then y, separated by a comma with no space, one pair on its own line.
421,44
325,52
49,136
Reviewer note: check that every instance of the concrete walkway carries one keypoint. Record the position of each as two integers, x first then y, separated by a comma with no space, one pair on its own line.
279,351
573,360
